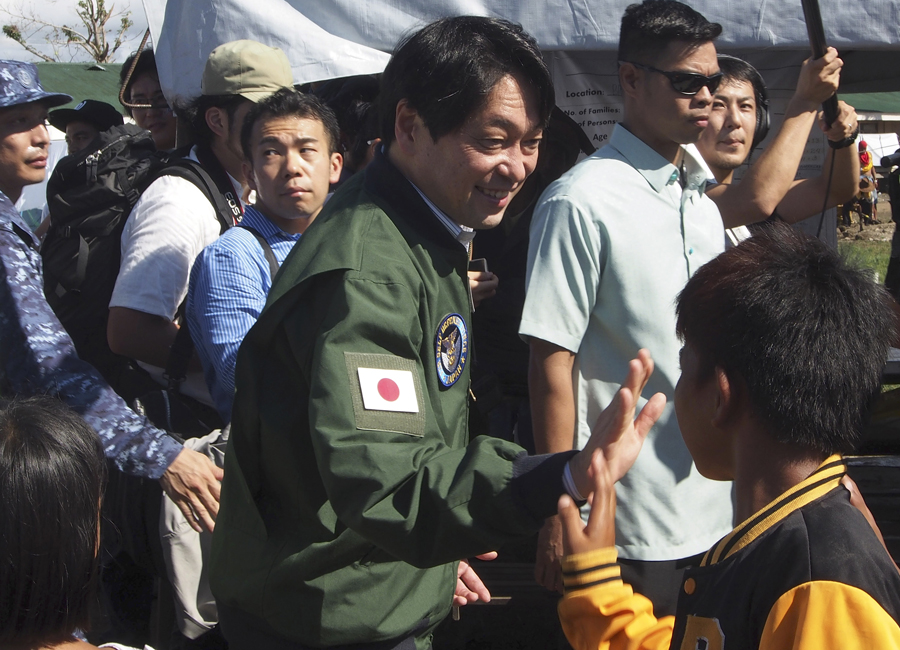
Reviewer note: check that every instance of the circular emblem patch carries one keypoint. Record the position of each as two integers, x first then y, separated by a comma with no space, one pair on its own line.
451,349
25,78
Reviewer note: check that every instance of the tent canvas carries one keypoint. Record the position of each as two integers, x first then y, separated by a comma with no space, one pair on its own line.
337,38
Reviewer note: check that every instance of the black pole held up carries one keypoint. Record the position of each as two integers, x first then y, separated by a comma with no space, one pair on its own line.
817,42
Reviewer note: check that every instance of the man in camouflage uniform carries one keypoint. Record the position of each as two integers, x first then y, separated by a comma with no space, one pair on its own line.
36,354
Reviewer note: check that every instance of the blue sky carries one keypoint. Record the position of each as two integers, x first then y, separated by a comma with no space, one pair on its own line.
63,12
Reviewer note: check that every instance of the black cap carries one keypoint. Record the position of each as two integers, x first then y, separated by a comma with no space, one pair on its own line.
99,114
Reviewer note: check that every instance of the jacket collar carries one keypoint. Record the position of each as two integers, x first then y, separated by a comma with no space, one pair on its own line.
395,194
825,479
8,212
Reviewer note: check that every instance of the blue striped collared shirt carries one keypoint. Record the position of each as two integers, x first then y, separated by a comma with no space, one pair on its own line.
227,292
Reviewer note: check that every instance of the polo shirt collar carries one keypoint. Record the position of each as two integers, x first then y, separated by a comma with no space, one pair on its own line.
658,171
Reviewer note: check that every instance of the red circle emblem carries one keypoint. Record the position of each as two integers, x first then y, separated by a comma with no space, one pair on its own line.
388,389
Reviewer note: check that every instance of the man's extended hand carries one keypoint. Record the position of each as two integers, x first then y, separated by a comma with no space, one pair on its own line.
469,587
192,482
617,434
600,531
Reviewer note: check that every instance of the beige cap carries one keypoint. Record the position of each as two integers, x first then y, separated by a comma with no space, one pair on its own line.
246,68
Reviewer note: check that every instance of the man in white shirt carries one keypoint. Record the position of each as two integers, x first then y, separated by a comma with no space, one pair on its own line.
174,220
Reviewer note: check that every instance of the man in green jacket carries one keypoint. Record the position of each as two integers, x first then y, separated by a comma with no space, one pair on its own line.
351,489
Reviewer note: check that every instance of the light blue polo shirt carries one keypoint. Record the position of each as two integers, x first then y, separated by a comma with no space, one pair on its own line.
612,243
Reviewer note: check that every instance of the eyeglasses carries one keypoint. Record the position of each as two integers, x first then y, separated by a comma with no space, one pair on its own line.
155,103
686,83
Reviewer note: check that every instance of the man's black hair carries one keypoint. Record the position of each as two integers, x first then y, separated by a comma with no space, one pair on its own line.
649,27
146,63
354,101
806,333
195,113
735,69
447,69
288,102
52,474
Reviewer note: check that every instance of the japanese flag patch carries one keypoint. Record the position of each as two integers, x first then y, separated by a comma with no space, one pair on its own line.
388,390
386,393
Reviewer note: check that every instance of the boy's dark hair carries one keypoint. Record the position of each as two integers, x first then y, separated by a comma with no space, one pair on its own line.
807,334
649,27
447,69
146,63
52,473
195,114
288,102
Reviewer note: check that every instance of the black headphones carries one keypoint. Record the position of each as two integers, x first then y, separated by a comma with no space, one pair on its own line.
763,121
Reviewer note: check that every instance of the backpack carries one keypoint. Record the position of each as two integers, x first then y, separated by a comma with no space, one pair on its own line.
90,195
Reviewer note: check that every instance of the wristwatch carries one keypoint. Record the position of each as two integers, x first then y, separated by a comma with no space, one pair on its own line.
846,142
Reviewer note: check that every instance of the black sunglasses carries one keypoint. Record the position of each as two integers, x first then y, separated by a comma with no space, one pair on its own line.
686,83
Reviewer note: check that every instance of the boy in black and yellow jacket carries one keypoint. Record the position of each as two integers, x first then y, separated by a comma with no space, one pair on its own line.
774,387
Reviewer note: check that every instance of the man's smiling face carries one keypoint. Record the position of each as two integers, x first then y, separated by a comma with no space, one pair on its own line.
473,173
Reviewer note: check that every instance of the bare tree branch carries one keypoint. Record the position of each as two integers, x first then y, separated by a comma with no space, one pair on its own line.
93,36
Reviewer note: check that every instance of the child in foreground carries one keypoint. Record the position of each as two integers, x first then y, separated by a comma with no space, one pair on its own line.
783,351
52,476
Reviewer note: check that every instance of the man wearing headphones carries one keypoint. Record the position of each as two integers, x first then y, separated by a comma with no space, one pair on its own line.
739,121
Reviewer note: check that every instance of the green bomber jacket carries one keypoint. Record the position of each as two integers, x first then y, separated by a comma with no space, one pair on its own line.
351,488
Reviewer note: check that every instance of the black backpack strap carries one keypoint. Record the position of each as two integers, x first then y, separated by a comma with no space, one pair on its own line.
267,250
210,178
213,167
191,171
179,357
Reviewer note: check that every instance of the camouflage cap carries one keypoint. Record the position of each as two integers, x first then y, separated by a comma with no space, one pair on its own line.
246,68
19,84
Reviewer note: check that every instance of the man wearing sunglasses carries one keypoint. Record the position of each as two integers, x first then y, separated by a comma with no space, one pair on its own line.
613,242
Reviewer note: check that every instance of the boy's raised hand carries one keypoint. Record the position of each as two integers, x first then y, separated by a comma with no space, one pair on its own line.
617,434
600,531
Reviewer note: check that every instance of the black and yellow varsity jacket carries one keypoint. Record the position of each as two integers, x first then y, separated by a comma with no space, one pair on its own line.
805,572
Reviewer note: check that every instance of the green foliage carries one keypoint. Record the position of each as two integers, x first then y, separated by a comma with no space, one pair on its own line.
13,32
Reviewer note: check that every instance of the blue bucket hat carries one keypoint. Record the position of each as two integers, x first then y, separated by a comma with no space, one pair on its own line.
19,84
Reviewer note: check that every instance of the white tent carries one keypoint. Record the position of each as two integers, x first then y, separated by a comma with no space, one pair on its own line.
344,37
335,38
